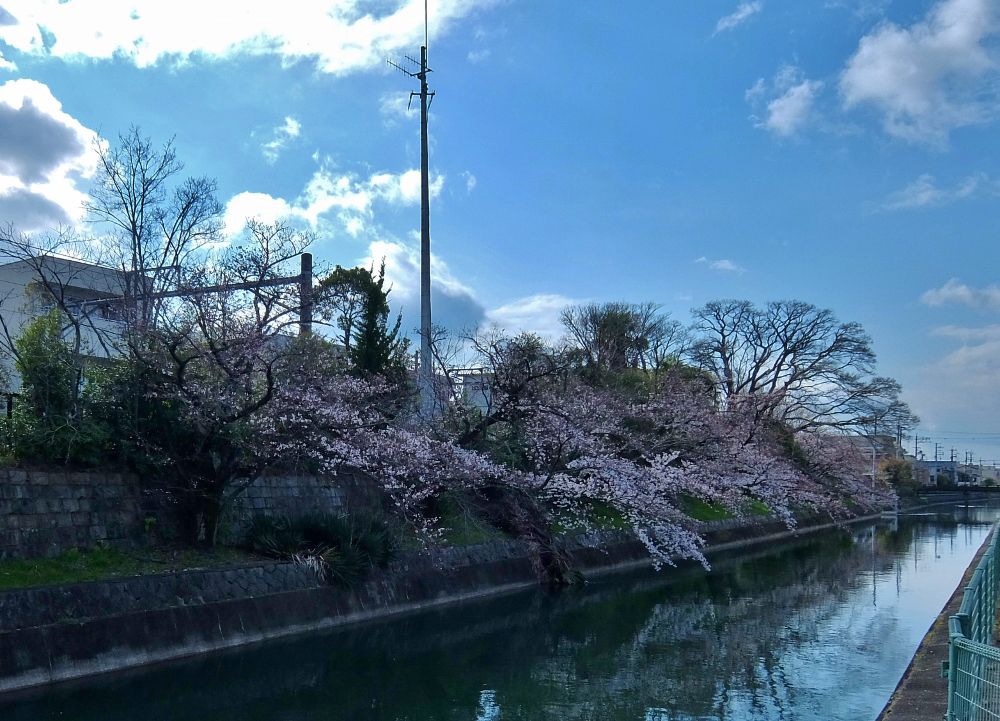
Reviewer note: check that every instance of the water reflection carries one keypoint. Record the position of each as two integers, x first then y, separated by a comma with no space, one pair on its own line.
822,629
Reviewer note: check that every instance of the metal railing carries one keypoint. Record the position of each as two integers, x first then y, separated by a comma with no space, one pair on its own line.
973,661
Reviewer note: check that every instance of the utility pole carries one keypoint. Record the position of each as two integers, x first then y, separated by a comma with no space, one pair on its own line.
874,442
304,281
937,447
426,379
305,294
425,374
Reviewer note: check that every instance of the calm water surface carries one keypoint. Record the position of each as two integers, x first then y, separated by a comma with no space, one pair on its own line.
819,629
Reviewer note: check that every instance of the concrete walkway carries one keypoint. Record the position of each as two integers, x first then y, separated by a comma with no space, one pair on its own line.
922,693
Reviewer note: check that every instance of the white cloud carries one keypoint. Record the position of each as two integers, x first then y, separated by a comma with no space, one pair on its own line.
962,388
258,206
864,10
402,267
969,335
924,192
478,56
280,137
344,197
397,106
341,36
743,12
44,154
470,181
756,91
722,264
930,78
955,292
339,204
789,99
534,314
453,303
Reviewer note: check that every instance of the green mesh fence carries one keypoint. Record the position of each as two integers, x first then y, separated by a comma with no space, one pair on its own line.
973,661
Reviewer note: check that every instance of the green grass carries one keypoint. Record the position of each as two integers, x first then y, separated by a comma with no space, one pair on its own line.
701,510
464,529
607,518
104,563
758,508
600,516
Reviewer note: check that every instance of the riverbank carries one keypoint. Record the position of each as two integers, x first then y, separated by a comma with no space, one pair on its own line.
922,693
64,632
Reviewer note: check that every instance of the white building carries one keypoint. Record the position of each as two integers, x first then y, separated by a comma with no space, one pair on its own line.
476,388
91,293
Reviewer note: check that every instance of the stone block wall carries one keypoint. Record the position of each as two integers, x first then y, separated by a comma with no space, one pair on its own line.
43,513
291,496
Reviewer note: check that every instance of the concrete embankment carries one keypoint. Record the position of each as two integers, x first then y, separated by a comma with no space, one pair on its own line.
922,693
64,632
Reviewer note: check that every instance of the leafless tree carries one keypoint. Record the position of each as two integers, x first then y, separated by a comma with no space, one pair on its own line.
798,363
613,337
157,222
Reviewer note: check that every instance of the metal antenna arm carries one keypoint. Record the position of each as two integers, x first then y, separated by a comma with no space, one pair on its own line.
400,68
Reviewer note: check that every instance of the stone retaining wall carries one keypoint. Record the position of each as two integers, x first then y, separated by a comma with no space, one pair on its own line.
44,513
81,602
60,633
292,496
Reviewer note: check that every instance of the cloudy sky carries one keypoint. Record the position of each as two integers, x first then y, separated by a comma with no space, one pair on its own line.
843,152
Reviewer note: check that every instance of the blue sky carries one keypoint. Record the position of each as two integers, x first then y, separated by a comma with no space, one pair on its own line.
841,152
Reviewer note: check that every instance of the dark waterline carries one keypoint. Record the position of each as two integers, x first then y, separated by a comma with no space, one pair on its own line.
817,629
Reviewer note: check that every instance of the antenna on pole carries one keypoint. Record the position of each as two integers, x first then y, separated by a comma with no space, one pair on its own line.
419,70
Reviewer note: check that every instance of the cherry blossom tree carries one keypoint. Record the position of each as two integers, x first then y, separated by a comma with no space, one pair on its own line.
640,452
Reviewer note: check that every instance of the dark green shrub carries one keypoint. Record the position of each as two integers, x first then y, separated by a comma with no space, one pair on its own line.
342,548
53,419
275,537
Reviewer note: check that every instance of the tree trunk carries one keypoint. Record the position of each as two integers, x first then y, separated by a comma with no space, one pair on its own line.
210,516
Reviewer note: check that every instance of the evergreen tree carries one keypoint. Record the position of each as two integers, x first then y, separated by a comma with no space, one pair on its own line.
359,300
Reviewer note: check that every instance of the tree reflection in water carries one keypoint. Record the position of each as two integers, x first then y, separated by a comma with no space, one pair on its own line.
792,633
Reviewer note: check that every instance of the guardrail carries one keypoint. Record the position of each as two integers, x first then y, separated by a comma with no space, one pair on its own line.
973,665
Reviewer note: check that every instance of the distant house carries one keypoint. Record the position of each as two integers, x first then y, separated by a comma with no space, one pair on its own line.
961,474
91,294
476,386
857,451
979,474
928,471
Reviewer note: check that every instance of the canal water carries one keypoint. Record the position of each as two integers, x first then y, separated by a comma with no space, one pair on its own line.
820,628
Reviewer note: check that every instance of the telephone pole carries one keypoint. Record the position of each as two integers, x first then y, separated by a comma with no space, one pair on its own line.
304,281
425,375
426,379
